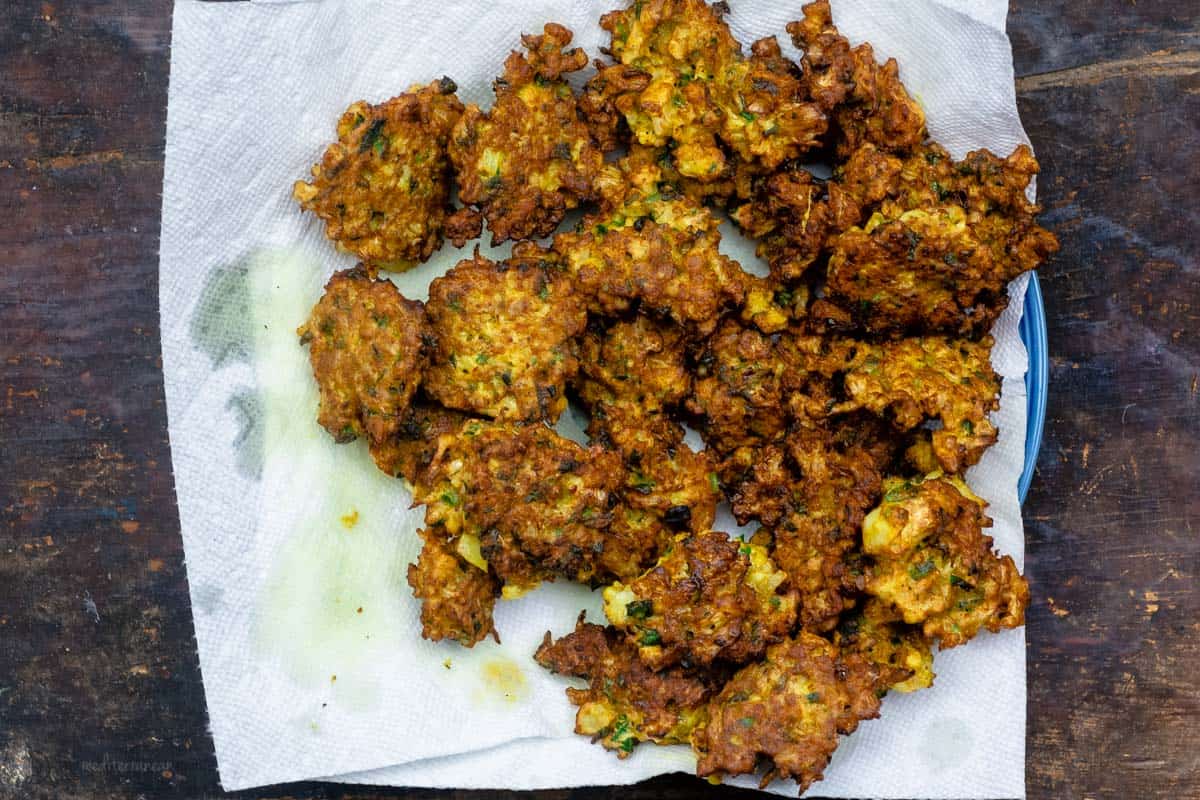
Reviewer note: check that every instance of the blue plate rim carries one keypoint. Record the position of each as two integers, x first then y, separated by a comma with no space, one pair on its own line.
1037,379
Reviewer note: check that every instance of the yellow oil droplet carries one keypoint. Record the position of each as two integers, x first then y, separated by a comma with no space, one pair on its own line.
504,677
447,663
351,519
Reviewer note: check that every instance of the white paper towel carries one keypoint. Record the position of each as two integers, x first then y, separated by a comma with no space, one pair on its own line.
296,548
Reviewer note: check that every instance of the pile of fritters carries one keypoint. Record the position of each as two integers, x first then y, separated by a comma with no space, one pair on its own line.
839,399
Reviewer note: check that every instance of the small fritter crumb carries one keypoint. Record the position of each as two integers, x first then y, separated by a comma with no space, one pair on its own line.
366,344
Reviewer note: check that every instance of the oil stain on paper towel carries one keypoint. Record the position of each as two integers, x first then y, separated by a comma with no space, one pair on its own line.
335,594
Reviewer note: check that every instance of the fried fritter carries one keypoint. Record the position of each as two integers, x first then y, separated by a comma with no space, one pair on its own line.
533,505
950,380
935,565
456,597
787,710
383,188
816,538
898,651
793,215
737,394
530,159
667,478
366,344
866,101
681,82
408,452
633,369
939,251
651,247
504,336
709,597
626,702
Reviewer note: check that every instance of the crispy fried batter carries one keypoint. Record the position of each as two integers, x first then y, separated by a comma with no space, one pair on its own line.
634,368
950,380
682,82
933,562
626,702
737,393
898,651
939,250
865,100
383,188
366,346
650,246
408,452
793,215
787,710
530,159
503,338
533,505
709,597
667,478
456,597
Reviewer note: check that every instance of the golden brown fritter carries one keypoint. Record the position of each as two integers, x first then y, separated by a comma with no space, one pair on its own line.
912,380
530,159
737,394
650,247
634,368
667,478
626,702
793,215
786,710
366,344
504,338
408,452
681,82
940,249
935,565
866,101
772,306
709,597
532,505
456,597
383,188
899,651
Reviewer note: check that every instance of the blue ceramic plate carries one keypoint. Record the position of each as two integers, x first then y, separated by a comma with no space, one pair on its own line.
1033,334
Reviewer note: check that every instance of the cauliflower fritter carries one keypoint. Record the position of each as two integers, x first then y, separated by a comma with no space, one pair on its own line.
383,188
633,369
786,710
366,345
504,338
866,101
651,247
530,159
938,252
935,565
626,702
898,651
950,380
666,478
456,597
681,82
794,215
737,394
408,452
526,502
709,597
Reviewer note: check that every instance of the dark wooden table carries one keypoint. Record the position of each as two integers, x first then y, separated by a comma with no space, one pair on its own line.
100,692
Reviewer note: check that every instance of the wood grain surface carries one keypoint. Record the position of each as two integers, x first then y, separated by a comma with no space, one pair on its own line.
100,691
